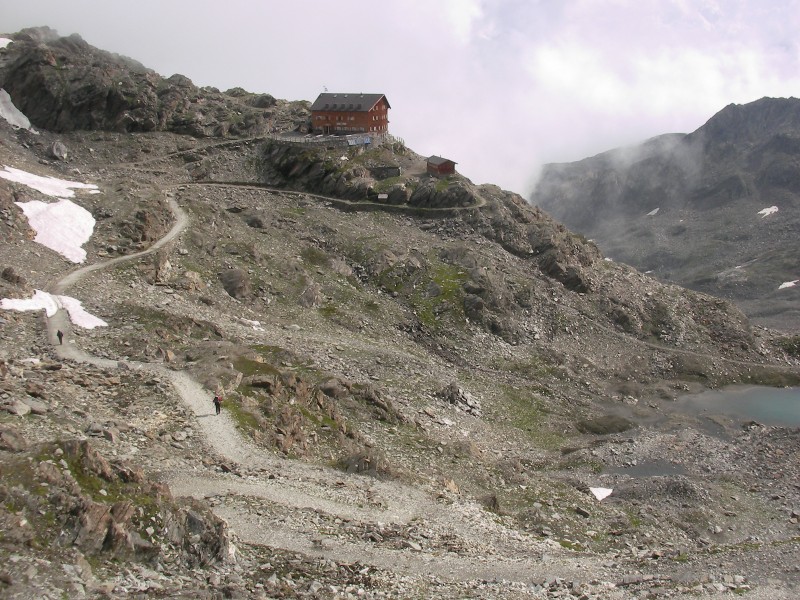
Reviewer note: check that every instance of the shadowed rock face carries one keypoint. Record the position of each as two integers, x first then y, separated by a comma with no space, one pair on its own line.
687,206
63,84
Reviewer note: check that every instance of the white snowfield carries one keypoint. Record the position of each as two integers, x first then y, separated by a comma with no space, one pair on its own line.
788,284
600,492
765,212
12,114
62,226
50,304
4,42
52,186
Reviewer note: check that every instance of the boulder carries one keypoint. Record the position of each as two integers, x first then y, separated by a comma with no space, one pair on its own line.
237,283
335,388
11,439
18,408
311,296
58,150
37,407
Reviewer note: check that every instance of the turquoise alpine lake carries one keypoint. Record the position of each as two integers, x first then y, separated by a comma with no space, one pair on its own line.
766,405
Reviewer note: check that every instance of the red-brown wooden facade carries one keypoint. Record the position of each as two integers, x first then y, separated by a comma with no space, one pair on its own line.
350,113
439,166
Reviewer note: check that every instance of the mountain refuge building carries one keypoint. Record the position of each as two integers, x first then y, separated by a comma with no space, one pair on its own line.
438,166
342,114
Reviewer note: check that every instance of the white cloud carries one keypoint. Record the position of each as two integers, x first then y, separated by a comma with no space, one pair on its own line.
500,86
462,16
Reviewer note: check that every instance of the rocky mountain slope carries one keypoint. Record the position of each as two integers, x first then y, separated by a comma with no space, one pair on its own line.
691,208
417,398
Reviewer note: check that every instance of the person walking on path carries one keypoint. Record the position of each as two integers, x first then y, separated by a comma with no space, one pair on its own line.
217,403
60,336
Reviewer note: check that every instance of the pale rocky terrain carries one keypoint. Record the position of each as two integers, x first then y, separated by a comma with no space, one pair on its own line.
417,398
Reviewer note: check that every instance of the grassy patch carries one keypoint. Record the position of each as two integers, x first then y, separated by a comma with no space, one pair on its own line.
328,310
790,345
47,517
529,413
764,375
386,184
533,366
166,327
248,366
570,545
316,257
441,302
245,420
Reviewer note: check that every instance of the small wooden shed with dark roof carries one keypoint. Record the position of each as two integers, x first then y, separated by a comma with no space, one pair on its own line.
439,166
350,113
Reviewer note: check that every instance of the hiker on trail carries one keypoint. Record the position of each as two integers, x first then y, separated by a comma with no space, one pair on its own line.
217,403
60,336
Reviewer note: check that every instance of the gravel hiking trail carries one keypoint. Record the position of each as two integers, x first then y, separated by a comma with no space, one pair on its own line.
350,518
283,503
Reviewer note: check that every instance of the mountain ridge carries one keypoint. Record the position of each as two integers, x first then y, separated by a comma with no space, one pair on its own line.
707,189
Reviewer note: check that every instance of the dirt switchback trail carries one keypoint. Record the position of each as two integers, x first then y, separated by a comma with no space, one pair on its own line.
411,531
263,484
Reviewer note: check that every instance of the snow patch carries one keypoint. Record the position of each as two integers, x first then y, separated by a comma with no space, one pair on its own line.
4,42
601,493
59,188
765,212
62,226
12,114
256,325
50,304
653,212
788,284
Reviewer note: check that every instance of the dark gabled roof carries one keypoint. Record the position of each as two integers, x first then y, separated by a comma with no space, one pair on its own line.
347,102
438,160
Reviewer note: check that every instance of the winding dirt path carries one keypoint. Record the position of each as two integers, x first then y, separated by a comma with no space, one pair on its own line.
324,513
308,494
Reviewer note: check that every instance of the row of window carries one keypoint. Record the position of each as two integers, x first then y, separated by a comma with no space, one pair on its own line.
360,129
338,118
348,118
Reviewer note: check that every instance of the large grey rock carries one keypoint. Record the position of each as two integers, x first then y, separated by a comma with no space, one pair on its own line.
37,406
236,282
17,407
11,439
59,151
64,84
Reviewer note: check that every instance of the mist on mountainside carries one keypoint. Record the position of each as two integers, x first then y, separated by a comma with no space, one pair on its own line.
687,207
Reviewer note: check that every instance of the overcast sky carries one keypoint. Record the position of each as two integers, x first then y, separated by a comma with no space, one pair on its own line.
499,86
